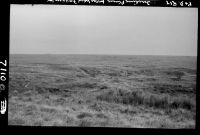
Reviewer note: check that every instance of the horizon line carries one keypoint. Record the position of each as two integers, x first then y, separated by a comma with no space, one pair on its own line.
97,54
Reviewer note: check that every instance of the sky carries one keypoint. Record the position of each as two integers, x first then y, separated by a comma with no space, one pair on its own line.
67,29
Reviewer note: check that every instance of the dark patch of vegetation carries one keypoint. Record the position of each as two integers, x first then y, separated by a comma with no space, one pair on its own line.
81,84
101,115
96,107
187,70
182,102
173,89
83,115
92,71
177,74
59,67
128,111
114,74
147,99
48,110
44,90
67,79
103,87
117,72
53,90
40,90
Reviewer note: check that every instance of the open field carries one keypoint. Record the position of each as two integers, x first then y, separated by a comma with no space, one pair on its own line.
102,91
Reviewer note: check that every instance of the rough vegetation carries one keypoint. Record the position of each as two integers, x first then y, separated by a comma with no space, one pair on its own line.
102,91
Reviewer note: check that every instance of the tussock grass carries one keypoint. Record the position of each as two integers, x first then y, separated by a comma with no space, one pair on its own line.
147,99
182,102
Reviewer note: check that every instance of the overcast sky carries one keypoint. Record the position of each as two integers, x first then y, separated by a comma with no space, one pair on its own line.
50,29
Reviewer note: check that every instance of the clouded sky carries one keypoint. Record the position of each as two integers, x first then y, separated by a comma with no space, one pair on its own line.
50,29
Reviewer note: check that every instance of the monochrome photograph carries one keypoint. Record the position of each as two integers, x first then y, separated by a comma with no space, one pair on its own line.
102,66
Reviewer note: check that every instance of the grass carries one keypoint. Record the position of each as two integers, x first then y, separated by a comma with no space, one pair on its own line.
80,84
92,71
96,107
85,123
48,110
177,74
107,91
147,99
84,114
101,115
16,121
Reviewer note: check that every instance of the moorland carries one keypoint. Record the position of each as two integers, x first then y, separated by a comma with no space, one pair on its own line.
102,91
